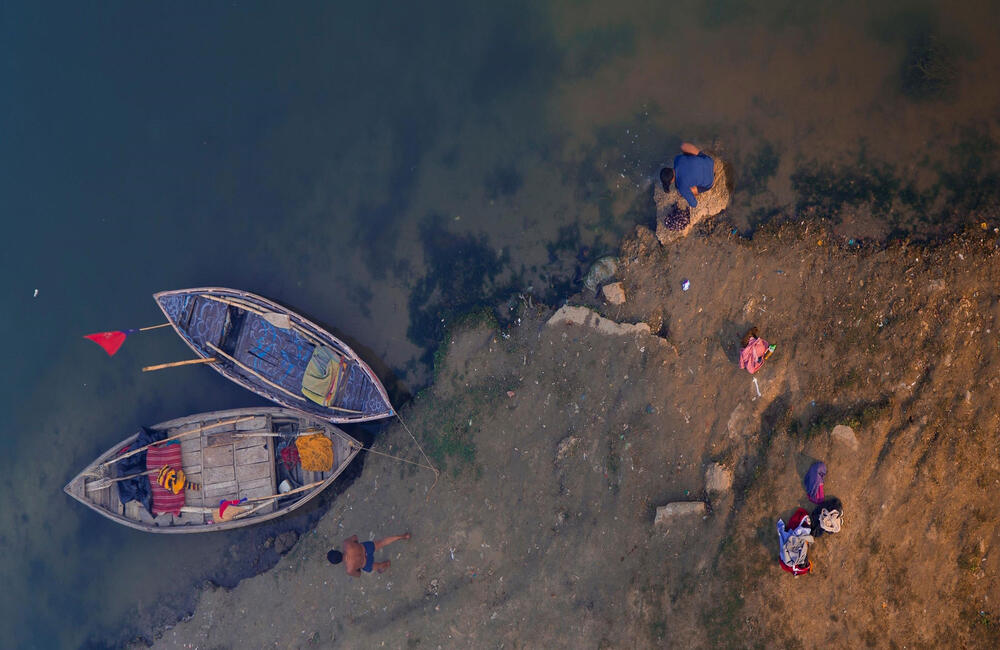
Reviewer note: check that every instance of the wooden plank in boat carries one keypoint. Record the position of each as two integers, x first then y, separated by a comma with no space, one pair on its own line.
217,457
258,423
115,501
223,438
216,475
191,460
253,471
252,493
250,455
134,510
256,483
219,490
241,443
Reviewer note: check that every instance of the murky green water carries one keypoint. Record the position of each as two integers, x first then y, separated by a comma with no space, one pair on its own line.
384,169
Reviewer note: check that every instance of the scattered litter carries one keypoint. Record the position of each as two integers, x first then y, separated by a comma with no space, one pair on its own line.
36,294
756,386
510,393
685,285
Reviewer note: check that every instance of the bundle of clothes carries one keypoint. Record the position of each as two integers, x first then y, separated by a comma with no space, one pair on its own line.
803,528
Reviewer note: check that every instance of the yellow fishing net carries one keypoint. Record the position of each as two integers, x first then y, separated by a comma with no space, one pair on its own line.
315,452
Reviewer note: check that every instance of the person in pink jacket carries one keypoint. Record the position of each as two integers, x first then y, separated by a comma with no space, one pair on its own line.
754,351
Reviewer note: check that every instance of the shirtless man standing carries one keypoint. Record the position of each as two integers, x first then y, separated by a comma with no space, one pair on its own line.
360,556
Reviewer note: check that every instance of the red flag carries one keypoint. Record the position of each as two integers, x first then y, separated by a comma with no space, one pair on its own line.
110,341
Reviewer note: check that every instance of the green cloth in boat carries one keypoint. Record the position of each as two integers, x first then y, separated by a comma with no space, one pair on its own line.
322,375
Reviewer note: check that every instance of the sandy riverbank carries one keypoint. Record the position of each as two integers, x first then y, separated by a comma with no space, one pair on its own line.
540,531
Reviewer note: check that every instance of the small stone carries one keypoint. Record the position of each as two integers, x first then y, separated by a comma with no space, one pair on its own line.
718,479
285,541
666,514
614,293
566,445
845,435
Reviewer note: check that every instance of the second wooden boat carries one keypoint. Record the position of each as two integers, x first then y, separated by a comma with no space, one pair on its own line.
276,353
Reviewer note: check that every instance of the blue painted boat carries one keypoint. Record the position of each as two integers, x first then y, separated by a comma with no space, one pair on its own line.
276,353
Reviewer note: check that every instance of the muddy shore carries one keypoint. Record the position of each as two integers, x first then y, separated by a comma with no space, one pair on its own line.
558,442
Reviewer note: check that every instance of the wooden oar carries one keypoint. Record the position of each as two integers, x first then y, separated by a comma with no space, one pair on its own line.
267,381
207,511
179,435
305,432
102,483
179,363
285,494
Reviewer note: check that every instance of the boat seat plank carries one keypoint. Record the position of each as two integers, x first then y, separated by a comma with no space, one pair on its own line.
259,423
219,490
242,443
217,475
217,457
216,439
256,483
251,493
249,455
252,471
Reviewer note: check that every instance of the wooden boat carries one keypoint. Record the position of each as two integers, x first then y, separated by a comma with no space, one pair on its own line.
231,455
276,353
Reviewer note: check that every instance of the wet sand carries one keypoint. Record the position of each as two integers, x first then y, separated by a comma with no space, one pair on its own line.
540,530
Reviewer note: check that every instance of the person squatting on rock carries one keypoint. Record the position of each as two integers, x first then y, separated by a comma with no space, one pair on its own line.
360,556
693,172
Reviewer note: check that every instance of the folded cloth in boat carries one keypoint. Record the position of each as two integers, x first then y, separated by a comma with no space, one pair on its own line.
322,375
228,509
315,452
163,499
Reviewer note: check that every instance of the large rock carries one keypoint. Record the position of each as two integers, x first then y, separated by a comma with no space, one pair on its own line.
614,293
675,219
668,514
845,435
718,479
589,318
603,270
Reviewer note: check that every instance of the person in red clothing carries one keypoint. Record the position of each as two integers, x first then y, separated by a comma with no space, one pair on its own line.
754,351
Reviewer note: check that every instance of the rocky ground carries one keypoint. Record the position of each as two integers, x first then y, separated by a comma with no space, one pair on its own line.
558,442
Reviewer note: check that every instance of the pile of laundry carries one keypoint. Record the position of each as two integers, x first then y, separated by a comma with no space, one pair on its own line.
803,528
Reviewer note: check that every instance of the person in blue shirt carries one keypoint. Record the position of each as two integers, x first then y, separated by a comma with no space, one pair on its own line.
693,172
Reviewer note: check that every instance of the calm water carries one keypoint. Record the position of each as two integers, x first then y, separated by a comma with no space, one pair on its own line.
383,169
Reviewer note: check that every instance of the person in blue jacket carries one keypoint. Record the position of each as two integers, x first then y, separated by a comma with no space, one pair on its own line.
693,172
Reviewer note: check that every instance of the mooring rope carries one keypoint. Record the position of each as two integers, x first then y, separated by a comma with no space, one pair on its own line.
437,472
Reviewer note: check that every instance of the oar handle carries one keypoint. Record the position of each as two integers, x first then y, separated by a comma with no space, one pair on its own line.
175,364
154,327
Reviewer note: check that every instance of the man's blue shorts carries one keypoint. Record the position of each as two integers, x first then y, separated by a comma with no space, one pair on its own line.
369,556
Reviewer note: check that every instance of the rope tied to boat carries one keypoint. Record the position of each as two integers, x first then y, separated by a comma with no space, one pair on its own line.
437,472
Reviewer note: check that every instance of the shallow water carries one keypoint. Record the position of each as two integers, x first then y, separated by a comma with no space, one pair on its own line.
384,169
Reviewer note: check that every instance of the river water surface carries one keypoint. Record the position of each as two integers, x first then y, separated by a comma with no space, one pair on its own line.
384,169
